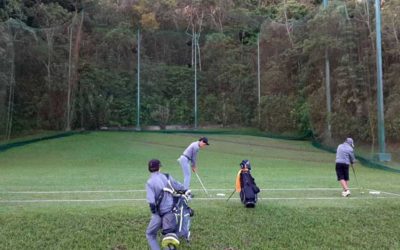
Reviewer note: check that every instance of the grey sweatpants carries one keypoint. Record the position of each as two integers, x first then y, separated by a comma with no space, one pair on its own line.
167,223
187,174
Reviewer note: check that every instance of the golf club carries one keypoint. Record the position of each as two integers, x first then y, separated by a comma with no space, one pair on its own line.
205,190
355,176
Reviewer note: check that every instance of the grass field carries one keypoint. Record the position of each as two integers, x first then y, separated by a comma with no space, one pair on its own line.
87,192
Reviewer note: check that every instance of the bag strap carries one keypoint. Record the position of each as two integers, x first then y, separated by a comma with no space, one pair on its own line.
160,197
170,189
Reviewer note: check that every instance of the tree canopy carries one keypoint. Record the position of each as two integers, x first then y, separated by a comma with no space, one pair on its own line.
72,64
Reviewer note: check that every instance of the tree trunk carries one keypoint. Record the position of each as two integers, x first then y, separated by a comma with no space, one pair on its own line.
68,125
73,71
50,90
10,110
287,24
394,28
49,38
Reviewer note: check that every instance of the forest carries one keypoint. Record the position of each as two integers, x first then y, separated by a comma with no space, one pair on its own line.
90,64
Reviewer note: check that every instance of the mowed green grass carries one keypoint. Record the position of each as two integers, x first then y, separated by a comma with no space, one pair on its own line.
86,192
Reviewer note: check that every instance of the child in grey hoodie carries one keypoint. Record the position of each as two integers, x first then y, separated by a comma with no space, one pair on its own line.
161,204
344,157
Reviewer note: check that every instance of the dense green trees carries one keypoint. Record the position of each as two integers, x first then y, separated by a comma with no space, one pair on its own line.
73,64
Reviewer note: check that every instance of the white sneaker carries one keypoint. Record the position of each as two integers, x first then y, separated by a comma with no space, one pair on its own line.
346,193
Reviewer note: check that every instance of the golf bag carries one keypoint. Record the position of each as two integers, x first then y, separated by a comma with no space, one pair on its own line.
179,221
246,185
182,213
175,223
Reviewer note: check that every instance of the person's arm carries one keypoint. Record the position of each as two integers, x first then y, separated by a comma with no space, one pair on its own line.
352,157
194,151
150,196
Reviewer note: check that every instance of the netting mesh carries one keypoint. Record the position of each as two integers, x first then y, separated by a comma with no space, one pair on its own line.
265,70
295,58
34,77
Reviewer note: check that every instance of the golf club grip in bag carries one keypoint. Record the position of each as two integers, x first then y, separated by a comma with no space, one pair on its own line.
249,189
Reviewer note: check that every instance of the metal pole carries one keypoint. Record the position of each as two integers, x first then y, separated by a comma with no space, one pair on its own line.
328,92
195,80
382,156
138,81
328,85
258,78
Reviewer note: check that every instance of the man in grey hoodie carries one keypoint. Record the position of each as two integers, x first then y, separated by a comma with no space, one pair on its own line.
344,157
161,204
188,159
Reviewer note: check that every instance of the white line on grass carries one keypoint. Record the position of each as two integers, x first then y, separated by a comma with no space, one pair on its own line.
277,189
72,192
96,200
385,192
141,199
142,190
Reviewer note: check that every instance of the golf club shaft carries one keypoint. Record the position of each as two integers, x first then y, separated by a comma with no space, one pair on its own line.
205,190
355,176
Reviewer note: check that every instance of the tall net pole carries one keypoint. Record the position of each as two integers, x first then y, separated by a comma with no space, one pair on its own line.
138,81
258,78
328,86
382,156
195,80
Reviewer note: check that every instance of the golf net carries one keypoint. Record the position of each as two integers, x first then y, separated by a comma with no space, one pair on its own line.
95,69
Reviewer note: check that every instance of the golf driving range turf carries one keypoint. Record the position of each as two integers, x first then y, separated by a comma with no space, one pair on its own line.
86,191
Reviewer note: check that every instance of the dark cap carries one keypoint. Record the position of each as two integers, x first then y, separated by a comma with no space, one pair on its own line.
154,165
205,140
